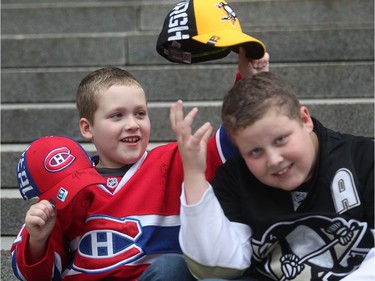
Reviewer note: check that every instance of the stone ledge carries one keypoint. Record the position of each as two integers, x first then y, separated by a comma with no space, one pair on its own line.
192,82
82,17
40,120
139,49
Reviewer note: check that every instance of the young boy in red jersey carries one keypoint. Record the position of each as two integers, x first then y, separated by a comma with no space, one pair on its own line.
134,218
296,204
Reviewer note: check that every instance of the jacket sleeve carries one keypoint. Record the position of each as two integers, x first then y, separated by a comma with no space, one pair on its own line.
205,258
366,271
49,267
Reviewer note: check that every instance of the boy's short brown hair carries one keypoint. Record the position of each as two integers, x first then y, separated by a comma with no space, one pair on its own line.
96,83
251,98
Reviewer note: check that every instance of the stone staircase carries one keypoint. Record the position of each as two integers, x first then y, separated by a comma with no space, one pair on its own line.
325,49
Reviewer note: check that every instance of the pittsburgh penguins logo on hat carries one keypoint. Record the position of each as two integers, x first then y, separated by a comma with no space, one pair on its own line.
230,15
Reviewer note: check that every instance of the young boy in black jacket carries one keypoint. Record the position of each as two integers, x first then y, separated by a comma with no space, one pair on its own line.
296,204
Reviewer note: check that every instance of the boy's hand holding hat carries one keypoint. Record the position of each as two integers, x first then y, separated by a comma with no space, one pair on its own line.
201,30
55,168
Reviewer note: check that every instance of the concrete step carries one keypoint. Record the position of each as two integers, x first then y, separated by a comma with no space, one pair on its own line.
191,82
354,116
346,115
132,49
55,18
14,208
25,122
49,17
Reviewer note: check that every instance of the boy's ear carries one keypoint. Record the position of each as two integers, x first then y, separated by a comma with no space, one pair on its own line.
306,118
85,127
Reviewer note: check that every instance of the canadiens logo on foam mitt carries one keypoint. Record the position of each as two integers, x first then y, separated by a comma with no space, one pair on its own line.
55,168
201,30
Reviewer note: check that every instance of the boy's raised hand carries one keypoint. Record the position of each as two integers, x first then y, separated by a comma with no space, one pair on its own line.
192,146
193,150
248,68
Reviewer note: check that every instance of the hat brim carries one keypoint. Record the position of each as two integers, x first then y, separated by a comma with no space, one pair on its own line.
190,51
61,194
255,49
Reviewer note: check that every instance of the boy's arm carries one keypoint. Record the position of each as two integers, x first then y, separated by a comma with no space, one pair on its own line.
248,68
214,247
193,150
39,240
366,160
203,223
41,270
40,220
366,271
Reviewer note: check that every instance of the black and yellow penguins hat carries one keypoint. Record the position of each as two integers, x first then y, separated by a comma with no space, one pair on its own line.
202,30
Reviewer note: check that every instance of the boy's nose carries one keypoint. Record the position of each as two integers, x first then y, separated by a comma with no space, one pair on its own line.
274,158
131,123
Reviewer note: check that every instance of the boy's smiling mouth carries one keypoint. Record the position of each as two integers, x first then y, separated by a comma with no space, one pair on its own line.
283,171
131,139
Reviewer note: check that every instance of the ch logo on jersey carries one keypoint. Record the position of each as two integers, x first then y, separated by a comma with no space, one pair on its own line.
229,14
312,248
58,159
111,243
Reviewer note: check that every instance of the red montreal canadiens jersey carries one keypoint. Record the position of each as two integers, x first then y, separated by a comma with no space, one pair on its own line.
114,232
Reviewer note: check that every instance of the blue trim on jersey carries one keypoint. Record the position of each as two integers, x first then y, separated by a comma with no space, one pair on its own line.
56,274
159,239
14,266
227,147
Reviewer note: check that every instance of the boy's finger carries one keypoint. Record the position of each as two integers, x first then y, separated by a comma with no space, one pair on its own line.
242,52
186,124
176,114
202,132
45,206
172,112
179,113
208,133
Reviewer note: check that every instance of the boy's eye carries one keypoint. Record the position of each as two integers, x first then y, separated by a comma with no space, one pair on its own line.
281,140
141,113
116,115
255,152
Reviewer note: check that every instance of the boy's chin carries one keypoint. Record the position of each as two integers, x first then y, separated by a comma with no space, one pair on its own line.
285,187
133,157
